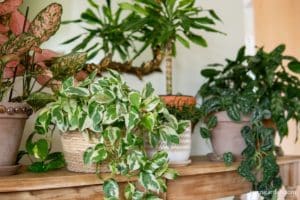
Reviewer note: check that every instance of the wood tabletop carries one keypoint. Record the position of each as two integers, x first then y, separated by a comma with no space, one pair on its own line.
27,181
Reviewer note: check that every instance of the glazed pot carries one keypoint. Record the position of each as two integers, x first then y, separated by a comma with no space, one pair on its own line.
178,100
179,154
13,117
74,145
227,137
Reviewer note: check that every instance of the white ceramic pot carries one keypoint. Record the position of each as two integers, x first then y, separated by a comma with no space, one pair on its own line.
179,154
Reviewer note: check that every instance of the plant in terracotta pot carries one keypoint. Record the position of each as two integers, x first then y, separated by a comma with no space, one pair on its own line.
105,124
21,57
252,90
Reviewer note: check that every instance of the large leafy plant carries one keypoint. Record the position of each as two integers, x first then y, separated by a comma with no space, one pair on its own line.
261,87
121,120
154,24
167,21
20,54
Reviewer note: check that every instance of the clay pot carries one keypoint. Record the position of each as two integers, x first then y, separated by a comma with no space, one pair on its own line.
227,137
13,117
178,100
179,154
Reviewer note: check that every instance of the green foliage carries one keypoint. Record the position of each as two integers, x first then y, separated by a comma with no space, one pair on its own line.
228,158
180,19
191,113
122,120
113,30
261,87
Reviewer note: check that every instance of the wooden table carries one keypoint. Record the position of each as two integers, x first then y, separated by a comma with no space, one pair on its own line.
201,180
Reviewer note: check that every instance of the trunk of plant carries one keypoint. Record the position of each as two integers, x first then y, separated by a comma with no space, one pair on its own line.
169,71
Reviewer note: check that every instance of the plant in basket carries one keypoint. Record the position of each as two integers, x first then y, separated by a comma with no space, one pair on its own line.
241,98
21,58
104,125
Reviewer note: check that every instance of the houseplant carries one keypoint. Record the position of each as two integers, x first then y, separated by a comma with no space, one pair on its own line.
262,88
119,34
114,121
21,56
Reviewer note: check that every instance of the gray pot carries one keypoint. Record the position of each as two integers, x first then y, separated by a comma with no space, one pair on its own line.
227,137
13,117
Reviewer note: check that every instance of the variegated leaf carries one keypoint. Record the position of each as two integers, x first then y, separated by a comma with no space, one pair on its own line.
19,45
47,22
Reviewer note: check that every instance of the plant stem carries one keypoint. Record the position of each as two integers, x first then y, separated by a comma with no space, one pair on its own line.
169,71
13,84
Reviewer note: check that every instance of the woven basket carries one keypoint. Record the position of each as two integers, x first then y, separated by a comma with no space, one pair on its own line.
74,146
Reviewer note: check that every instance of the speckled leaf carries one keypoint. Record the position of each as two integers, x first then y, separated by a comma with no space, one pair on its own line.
68,65
19,45
47,22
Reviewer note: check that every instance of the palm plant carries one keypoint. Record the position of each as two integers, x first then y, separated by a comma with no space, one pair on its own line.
167,21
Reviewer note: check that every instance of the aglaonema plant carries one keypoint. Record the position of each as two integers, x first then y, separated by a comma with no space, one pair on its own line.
21,55
121,120
259,86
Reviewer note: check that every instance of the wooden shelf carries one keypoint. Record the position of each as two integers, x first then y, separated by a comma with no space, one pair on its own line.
200,175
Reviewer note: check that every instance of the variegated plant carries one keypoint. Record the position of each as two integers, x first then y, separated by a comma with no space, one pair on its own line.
122,120
20,38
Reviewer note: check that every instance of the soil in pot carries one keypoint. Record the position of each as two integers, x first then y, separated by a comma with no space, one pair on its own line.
227,137
13,117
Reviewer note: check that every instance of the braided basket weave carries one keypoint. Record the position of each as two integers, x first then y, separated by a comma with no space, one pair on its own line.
74,146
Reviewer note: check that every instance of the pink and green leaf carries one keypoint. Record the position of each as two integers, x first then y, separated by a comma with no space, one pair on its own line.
19,45
16,23
47,22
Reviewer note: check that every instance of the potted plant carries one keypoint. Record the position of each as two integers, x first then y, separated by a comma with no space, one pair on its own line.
120,33
179,154
20,55
105,123
253,90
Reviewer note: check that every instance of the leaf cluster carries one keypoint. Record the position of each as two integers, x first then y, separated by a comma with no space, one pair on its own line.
23,48
155,24
121,120
261,87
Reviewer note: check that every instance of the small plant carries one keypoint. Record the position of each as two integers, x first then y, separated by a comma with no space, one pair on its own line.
228,158
187,112
20,54
261,87
121,120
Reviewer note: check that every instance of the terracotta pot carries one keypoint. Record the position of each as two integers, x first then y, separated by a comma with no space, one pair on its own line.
227,137
179,154
13,117
74,146
178,100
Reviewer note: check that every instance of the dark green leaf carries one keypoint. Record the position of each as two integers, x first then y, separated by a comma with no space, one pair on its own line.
197,39
294,66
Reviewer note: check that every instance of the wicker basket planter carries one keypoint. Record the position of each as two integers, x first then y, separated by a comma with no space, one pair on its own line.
74,146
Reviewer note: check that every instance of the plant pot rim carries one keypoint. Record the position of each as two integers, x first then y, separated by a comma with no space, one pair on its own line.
15,110
223,117
173,95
